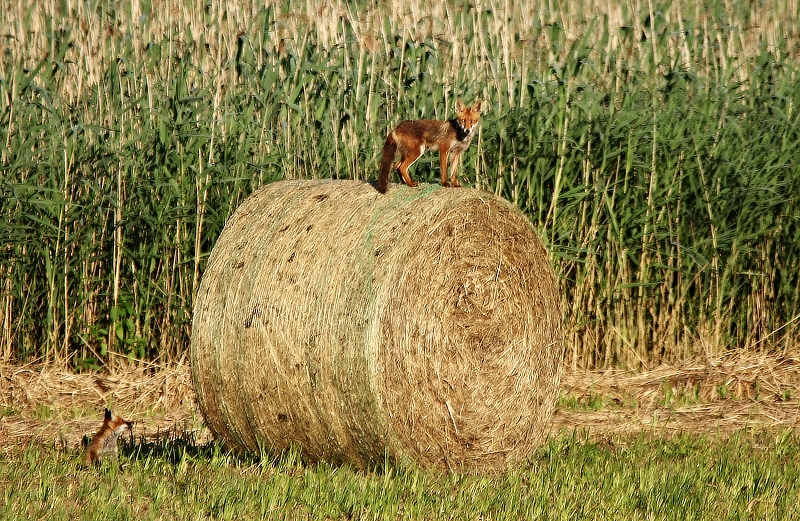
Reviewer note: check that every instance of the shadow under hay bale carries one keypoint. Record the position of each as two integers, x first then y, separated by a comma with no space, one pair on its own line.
423,324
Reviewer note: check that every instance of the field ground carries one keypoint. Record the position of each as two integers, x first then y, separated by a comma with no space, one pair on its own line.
52,405
707,440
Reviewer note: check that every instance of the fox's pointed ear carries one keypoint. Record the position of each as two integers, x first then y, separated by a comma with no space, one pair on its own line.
476,107
107,415
460,105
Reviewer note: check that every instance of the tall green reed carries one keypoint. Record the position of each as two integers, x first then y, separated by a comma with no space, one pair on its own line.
653,144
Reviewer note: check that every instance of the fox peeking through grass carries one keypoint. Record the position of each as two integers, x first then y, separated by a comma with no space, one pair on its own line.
105,441
412,138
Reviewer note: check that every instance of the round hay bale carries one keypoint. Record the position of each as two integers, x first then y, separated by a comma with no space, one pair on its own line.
358,327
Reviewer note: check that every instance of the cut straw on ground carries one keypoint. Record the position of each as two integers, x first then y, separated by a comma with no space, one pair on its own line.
52,405
47,403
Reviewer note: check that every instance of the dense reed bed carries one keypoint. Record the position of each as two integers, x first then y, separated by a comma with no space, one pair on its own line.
654,144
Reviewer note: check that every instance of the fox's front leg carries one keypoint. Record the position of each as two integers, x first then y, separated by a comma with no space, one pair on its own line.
443,164
455,161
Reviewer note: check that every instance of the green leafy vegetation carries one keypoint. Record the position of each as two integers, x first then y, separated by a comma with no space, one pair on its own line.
655,145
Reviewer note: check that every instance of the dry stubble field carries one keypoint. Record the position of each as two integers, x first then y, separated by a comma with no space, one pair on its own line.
50,404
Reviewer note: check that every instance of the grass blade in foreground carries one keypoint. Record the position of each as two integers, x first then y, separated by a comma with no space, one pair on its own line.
753,476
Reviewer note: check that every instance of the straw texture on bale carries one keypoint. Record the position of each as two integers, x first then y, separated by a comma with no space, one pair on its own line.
420,325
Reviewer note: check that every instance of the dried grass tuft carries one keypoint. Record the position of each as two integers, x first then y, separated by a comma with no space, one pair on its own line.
703,395
49,403
423,324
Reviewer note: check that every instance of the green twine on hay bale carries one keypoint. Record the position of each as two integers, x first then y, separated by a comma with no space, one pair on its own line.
420,325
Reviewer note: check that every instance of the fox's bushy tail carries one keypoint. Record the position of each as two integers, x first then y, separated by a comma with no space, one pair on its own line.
389,151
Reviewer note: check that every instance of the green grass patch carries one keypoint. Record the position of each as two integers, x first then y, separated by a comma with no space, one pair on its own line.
590,401
687,396
43,412
746,476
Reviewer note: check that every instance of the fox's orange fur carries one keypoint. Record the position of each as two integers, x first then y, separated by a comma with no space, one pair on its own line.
413,138
105,441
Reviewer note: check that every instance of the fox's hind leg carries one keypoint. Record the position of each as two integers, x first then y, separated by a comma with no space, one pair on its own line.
408,158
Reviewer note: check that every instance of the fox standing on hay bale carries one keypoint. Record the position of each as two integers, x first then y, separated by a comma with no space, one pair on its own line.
105,441
412,138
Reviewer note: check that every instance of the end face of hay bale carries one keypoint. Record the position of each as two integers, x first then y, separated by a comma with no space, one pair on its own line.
423,324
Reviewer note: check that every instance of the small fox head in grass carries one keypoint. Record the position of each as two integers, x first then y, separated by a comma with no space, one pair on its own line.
105,441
